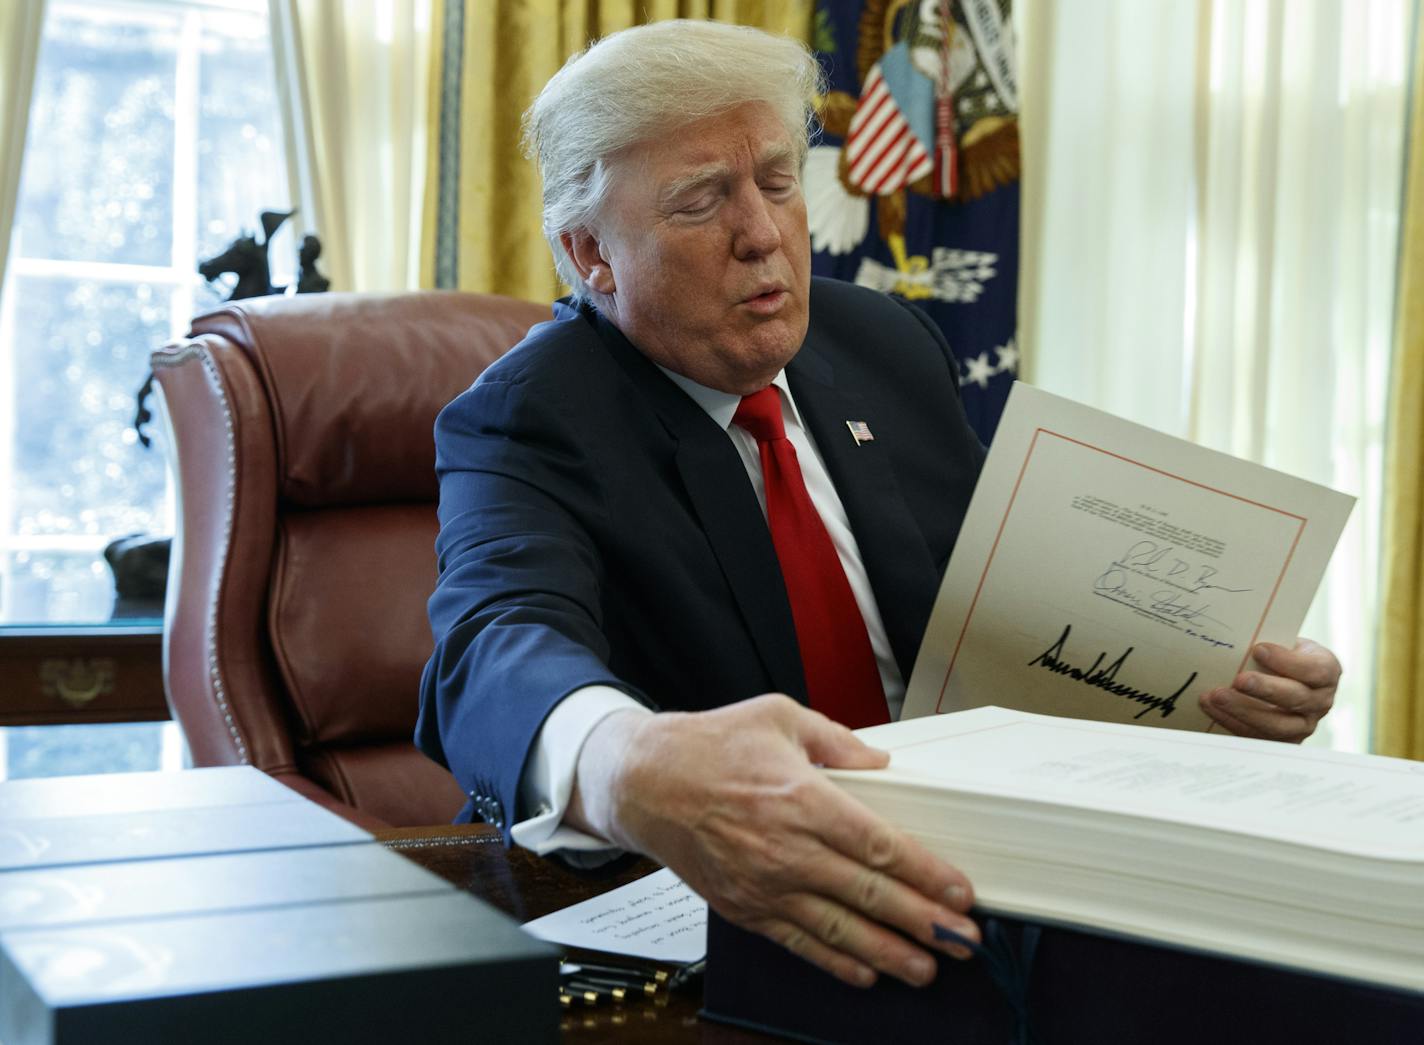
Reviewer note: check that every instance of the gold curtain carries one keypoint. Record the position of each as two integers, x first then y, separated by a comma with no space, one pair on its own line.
491,57
20,25
352,75
1399,701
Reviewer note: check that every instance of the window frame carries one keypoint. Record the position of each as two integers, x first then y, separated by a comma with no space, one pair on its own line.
107,672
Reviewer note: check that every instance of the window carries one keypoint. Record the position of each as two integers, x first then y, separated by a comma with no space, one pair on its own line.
154,140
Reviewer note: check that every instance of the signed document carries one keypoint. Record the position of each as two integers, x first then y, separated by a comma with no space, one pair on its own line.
1108,571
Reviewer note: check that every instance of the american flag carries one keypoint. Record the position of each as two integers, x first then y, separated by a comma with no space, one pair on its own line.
883,153
860,432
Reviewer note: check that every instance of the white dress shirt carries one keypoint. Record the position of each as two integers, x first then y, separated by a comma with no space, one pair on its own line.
548,779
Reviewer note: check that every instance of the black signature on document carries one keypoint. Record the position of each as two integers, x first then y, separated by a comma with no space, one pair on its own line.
1105,678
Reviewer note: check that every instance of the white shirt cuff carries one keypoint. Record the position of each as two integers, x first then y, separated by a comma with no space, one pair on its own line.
548,780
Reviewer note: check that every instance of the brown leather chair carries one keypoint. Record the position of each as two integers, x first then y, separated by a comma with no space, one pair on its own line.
295,631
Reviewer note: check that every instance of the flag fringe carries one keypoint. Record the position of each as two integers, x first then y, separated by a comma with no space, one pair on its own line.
984,164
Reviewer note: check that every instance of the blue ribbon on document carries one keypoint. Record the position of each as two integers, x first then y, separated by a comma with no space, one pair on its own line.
1008,968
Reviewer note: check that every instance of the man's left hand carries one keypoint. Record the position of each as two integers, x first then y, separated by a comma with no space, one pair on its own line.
1282,701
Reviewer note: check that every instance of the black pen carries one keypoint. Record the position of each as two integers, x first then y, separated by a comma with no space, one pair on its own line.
629,972
649,987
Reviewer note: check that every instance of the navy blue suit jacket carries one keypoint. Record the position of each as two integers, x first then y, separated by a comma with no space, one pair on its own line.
597,527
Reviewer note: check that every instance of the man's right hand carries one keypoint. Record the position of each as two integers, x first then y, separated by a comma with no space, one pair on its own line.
731,800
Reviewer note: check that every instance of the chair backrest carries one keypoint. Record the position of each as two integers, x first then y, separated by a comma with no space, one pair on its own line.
295,630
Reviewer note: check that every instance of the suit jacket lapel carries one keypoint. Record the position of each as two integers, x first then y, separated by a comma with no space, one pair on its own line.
897,560
727,508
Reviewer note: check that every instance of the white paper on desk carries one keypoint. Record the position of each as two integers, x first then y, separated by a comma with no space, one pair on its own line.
1108,571
657,917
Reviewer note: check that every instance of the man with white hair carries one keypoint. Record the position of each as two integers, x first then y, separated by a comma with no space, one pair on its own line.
719,490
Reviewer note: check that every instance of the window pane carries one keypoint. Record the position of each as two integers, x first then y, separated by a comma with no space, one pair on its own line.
240,157
44,585
45,751
78,467
99,184
107,181
78,475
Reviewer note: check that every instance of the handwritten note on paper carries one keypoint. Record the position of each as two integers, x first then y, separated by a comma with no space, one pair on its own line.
1106,571
657,917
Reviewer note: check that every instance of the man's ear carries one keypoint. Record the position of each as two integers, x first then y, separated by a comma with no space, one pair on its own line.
586,253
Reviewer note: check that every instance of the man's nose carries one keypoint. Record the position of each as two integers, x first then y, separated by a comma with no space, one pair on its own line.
756,233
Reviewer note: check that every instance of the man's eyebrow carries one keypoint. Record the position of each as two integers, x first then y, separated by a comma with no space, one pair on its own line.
774,158
694,181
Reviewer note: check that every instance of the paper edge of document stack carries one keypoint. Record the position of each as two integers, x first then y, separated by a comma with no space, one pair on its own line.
1270,897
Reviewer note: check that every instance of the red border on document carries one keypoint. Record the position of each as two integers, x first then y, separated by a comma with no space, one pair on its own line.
1033,444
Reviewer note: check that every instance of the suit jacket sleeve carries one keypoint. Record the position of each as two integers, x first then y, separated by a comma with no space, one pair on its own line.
517,611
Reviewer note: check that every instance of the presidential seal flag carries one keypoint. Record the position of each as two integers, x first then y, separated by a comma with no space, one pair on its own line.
914,186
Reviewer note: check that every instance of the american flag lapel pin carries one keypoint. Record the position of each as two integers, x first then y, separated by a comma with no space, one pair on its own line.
860,432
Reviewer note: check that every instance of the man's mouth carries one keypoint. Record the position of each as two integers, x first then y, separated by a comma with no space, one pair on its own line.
767,300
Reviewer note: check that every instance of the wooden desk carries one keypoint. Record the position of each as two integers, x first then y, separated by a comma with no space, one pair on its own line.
526,886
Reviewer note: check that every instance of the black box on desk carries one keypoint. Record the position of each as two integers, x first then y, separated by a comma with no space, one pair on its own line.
1082,988
217,905
435,968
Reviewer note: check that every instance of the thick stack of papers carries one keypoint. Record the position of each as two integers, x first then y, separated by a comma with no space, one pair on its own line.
1298,857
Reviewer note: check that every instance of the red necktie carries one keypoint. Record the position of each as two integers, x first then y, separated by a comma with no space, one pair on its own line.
842,679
